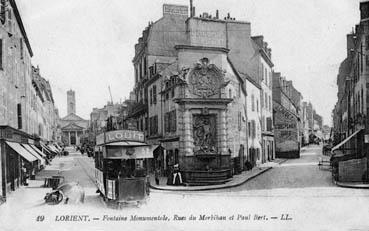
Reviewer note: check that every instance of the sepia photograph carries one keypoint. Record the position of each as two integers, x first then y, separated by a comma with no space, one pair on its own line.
184,115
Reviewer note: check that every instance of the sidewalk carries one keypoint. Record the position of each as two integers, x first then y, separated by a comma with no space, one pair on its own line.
235,181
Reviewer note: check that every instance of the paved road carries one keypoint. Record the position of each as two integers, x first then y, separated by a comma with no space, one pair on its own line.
297,188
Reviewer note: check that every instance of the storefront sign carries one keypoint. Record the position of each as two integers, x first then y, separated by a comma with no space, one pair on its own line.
120,135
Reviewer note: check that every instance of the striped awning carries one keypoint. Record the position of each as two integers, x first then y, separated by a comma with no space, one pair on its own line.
21,151
345,140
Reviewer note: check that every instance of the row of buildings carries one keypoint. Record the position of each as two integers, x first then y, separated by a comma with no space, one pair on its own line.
206,93
27,110
350,115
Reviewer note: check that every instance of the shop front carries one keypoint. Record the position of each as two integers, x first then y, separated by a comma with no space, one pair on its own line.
17,161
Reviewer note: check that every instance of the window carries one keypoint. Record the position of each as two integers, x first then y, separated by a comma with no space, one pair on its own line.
262,72
170,121
154,94
151,96
253,131
153,125
266,100
2,11
21,48
1,54
249,128
270,103
145,66
19,112
230,93
257,105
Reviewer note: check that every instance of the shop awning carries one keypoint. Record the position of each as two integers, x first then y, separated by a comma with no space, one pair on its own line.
21,151
46,148
345,140
52,148
37,150
127,143
33,152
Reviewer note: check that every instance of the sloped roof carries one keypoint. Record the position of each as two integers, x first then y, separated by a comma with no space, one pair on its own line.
72,126
72,117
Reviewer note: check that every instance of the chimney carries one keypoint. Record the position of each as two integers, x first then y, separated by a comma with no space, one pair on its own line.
191,8
217,14
364,10
193,11
228,15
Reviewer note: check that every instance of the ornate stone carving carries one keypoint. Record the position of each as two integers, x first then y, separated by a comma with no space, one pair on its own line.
204,134
205,79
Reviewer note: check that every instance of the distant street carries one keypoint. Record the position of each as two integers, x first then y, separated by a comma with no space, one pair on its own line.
294,173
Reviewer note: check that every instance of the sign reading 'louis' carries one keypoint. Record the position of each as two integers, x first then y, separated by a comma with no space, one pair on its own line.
120,135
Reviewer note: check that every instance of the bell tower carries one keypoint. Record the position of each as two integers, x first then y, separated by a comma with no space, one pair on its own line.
71,102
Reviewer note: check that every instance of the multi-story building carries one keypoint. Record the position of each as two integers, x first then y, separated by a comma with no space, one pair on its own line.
190,86
350,114
27,110
266,106
99,116
286,101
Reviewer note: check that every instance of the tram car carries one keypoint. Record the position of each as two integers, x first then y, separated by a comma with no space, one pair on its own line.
122,159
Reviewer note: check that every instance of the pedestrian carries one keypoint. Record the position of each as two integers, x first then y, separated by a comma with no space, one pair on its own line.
24,175
176,173
157,174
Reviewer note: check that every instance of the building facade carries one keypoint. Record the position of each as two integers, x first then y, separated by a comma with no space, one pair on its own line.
72,127
190,91
27,110
351,123
266,106
286,100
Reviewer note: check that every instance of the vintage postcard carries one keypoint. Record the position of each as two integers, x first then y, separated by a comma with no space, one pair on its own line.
184,115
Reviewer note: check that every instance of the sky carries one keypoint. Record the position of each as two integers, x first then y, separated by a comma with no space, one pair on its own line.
88,45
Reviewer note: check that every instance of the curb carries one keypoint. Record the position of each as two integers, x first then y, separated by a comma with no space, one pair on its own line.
343,185
215,188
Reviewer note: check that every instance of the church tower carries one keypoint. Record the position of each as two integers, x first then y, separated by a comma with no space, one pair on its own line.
71,102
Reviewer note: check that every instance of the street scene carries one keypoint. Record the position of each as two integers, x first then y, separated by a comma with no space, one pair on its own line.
192,116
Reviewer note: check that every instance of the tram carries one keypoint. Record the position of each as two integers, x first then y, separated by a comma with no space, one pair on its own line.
122,159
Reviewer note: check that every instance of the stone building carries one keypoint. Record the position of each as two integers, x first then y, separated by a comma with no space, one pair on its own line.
72,127
263,52
286,101
100,116
190,88
350,114
27,110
